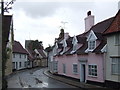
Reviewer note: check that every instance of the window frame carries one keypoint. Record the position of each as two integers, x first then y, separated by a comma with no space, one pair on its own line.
93,70
91,46
73,68
117,39
20,64
116,65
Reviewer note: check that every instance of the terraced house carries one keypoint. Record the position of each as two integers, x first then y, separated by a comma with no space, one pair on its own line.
83,56
20,56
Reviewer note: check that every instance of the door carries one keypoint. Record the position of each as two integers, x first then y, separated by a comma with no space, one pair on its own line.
83,73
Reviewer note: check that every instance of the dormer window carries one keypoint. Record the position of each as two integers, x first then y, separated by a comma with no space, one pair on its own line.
91,41
64,46
74,42
55,49
91,44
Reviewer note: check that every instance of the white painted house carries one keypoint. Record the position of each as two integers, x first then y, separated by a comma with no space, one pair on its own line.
20,56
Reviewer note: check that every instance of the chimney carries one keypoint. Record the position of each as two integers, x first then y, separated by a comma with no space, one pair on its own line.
89,21
118,5
66,36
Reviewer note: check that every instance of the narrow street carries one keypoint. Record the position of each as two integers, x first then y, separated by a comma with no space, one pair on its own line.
34,78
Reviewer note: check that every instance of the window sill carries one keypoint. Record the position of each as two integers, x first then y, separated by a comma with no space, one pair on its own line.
117,44
92,76
116,74
75,73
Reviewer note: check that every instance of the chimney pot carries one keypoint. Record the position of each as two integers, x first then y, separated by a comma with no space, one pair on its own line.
89,13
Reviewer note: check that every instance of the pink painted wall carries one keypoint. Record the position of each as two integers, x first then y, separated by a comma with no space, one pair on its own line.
94,59
98,60
69,60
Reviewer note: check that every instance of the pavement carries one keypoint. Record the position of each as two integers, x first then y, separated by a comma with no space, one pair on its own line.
74,82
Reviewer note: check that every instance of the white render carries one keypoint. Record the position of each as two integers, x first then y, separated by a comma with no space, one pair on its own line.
89,22
17,59
112,51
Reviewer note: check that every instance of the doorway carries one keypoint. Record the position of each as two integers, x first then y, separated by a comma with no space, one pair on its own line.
83,73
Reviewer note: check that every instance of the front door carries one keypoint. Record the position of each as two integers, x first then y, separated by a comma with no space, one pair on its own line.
82,73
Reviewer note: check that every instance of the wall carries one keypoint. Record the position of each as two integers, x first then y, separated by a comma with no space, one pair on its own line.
69,60
18,59
112,51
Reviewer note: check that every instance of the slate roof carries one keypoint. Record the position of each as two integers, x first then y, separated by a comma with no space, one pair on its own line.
18,48
101,45
98,29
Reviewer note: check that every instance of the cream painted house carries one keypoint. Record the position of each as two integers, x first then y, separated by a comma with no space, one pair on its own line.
113,53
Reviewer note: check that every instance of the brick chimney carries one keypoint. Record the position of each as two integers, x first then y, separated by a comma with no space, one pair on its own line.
66,35
89,21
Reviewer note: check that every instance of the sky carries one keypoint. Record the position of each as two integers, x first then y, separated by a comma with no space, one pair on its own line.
41,19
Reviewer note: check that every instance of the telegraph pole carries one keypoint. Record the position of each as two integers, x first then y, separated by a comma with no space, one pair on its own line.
2,7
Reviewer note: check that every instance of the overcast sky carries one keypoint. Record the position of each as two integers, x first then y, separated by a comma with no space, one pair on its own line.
41,19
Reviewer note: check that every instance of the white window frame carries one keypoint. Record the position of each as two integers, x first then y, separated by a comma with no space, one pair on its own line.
117,39
73,68
93,44
93,74
115,65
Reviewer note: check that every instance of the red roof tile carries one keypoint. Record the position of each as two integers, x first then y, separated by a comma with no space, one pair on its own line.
18,48
115,25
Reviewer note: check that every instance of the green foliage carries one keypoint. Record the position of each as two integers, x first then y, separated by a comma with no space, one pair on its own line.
35,45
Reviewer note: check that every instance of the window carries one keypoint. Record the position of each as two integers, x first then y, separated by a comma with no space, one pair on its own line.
91,45
13,55
13,65
75,68
20,55
25,64
115,66
64,68
117,39
92,70
24,56
55,66
20,65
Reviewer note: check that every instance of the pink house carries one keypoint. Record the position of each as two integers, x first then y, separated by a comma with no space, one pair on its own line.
83,56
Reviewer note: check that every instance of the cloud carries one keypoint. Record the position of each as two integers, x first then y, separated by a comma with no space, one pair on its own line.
37,9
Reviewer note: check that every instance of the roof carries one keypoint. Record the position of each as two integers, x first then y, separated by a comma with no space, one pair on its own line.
6,28
115,25
98,29
18,48
102,26
42,53
101,45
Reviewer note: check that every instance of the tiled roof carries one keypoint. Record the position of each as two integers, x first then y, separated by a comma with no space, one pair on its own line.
82,49
18,48
98,29
101,45
42,53
102,26
115,25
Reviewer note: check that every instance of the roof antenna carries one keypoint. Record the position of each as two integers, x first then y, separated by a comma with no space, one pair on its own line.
29,36
64,24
